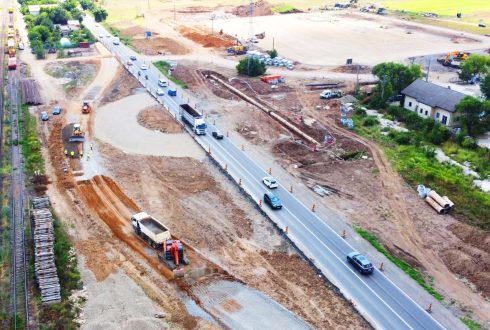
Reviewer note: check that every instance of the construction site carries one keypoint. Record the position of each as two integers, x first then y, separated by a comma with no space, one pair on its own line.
166,235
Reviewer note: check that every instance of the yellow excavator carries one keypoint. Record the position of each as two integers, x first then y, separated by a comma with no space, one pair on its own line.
453,58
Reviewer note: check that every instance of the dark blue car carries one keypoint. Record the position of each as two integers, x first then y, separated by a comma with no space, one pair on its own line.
272,200
360,262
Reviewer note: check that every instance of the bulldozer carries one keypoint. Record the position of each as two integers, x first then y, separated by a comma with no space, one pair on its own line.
173,256
452,57
86,107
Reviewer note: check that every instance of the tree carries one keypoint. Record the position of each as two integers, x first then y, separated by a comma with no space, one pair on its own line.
59,15
87,4
272,53
485,86
472,114
100,14
251,67
39,32
393,78
474,65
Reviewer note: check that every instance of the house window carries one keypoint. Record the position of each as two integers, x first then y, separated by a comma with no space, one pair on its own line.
426,112
409,104
421,110
444,120
437,115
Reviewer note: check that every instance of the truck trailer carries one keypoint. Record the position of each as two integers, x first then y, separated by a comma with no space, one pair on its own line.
150,230
193,118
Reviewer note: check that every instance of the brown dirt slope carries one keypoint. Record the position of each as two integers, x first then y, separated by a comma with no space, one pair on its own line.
156,118
160,45
205,40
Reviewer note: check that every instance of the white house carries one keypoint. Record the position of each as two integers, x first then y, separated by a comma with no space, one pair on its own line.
73,25
36,9
431,100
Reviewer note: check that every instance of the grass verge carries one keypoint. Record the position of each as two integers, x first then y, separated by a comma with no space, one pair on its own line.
127,40
31,146
163,66
409,270
472,325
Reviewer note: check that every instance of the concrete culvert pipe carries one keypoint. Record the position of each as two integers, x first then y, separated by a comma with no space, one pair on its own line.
451,204
436,197
434,205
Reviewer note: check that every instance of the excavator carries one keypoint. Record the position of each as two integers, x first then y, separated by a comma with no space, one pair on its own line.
173,256
239,49
452,57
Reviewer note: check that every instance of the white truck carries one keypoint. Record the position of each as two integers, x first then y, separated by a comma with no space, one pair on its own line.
328,94
193,118
150,229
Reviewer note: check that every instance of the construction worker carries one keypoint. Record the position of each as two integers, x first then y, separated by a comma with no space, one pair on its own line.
66,152
72,154
88,157
91,146
81,153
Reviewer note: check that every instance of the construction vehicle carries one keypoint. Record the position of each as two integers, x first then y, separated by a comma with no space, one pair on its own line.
11,10
173,254
12,63
328,94
150,230
86,107
77,134
237,50
260,35
190,116
453,58
272,79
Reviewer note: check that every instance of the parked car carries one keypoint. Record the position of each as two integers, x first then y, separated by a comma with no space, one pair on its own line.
270,182
132,58
56,110
360,262
396,98
481,24
144,67
272,200
217,135
44,116
160,92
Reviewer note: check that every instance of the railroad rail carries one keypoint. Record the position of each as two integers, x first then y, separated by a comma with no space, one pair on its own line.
19,281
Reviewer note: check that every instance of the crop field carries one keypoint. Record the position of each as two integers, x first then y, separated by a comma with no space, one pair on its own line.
440,7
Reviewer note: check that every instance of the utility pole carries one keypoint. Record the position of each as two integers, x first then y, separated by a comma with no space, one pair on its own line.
213,17
428,70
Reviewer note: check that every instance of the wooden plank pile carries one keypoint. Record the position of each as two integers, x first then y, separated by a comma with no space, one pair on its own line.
30,92
43,235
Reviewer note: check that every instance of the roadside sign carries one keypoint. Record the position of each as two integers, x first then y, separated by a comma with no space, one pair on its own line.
148,34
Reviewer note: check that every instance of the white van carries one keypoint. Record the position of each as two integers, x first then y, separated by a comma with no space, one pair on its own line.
162,83
115,41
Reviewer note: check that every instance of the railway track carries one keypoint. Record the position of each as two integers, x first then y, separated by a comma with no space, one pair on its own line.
19,281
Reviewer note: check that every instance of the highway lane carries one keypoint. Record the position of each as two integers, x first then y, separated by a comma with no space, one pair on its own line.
376,297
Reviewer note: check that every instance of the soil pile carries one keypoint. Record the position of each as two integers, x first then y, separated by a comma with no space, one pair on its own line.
260,8
160,45
156,118
206,40
122,86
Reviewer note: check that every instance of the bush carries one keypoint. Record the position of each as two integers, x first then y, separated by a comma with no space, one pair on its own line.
361,112
370,121
272,53
251,67
469,142
404,138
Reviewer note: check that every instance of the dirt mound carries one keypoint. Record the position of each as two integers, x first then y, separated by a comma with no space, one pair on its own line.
471,235
260,8
206,40
123,85
156,118
195,10
353,69
160,45
137,30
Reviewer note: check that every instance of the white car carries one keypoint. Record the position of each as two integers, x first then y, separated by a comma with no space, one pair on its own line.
144,67
270,182
160,92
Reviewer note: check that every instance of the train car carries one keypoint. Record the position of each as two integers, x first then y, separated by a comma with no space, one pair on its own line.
12,64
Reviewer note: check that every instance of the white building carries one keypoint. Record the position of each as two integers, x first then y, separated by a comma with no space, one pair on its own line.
431,100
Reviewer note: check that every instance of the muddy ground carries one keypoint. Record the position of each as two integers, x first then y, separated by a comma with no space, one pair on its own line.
212,215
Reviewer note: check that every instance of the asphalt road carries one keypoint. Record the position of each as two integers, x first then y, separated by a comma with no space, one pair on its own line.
377,298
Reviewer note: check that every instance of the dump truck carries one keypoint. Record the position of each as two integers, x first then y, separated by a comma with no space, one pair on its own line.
77,134
86,107
150,229
190,116
237,50
328,94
